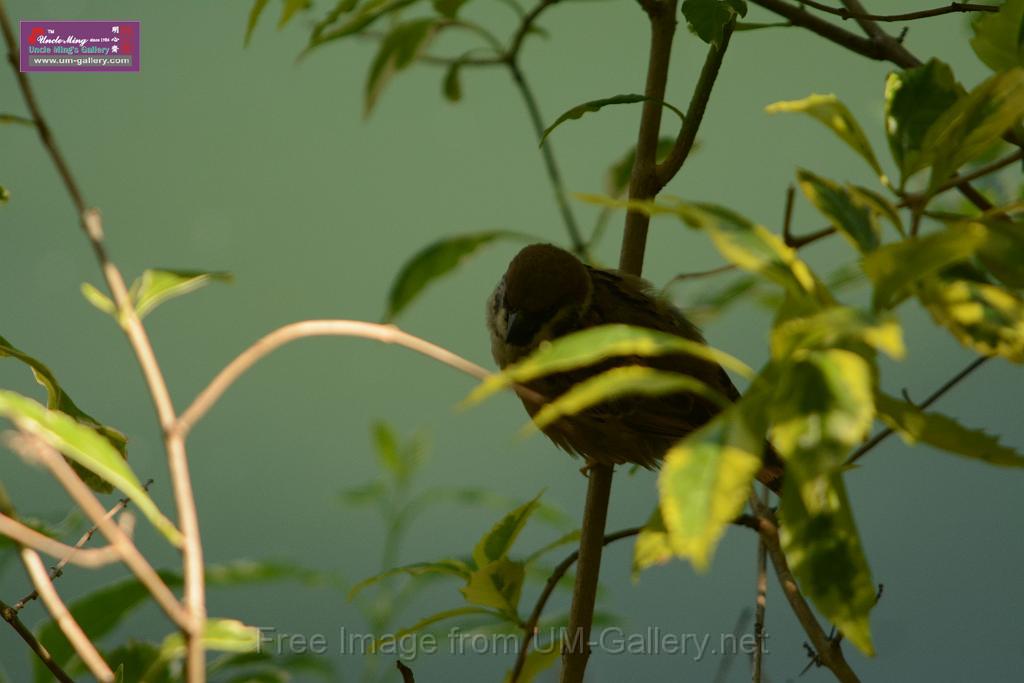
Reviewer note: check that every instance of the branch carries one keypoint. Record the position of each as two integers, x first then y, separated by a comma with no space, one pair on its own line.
953,7
58,570
798,16
59,611
935,396
29,537
10,615
668,168
761,603
32,447
828,652
177,459
387,334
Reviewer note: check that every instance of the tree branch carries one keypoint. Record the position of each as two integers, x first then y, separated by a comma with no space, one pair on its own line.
829,653
29,537
10,615
59,611
932,398
953,7
177,459
668,168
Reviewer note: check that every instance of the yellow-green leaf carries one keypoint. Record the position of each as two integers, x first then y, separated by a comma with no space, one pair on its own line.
830,111
823,405
838,326
983,317
58,399
589,346
86,447
450,567
653,544
159,285
398,49
826,556
848,213
495,544
631,380
895,267
497,584
1003,252
999,38
597,105
537,661
974,123
705,480
944,433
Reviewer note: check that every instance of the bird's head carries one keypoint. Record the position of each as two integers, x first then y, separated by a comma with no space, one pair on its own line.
541,296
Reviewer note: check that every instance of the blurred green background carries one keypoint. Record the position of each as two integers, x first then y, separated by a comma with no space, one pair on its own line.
219,157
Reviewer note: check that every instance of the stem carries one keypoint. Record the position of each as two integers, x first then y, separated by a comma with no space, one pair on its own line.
761,603
29,537
72,631
951,8
188,520
554,175
387,334
828,652
576,652
10,615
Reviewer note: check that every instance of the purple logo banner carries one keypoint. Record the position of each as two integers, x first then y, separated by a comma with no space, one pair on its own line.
80,45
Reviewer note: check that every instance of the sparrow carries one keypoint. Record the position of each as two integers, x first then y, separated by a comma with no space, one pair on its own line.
547,293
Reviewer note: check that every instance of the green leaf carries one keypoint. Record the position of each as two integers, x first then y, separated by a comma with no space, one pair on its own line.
436,260
596,105
98,299
854,218
834,114
381,643
826,556
367,14
254,17
5,195
219,635
704,483
565,539
618,176
594,344
1003,252
159,285
86,447
999,38
835,327
58,399
748,245
708,18
497,584
823,406
135,658
895,267
496,543
398,49
448,8
452,84
653,544
944,433
386,445
973,124
914,100
290,9
443,567
630,380
983,317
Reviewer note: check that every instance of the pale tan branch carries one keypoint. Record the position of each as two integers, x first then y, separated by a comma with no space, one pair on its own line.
32,447
952,8
59,611
387,334
27,536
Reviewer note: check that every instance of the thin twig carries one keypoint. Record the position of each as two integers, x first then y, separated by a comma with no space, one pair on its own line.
935,396
31,446
828,652
177,459
10,615
59,611
677,156
761,604
75,553
980,172
386,334
952,8
29,537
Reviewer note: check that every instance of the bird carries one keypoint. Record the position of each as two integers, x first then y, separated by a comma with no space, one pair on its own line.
547,293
